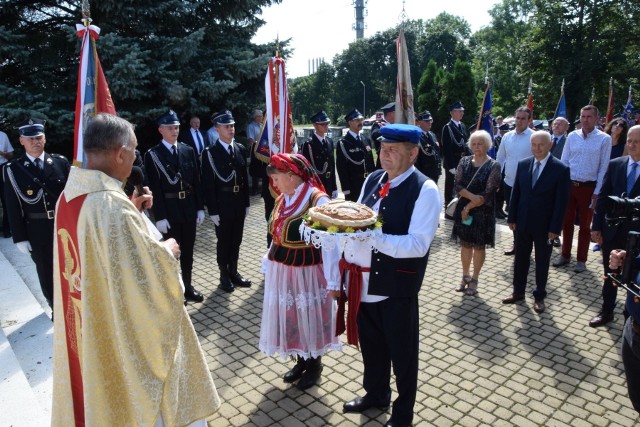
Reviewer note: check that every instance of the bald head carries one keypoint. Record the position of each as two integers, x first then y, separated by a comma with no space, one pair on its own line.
540,144
633,143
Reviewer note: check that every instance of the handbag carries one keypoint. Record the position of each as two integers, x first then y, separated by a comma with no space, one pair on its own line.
453,204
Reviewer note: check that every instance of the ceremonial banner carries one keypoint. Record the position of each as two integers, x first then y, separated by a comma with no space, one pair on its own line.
277,134
404,93
485,119
93,94
610,102
561,109
628,110
530,99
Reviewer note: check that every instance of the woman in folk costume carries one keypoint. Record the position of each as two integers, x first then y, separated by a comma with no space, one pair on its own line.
298,314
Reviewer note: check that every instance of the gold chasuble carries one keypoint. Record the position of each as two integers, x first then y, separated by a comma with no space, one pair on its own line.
125,351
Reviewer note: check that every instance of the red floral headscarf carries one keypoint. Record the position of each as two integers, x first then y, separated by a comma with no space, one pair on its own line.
298,165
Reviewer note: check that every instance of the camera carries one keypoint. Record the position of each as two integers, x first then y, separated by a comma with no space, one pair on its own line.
621,209
631,267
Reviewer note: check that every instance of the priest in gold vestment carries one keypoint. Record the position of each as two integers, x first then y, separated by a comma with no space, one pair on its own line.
125,351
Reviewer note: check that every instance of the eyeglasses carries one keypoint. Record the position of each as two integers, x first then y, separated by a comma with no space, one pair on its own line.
621,124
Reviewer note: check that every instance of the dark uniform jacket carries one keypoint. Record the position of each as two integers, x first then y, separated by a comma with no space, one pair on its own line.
396,277
454,144
321,157
428,161
175,183
225,180
353,162
31,205
375,134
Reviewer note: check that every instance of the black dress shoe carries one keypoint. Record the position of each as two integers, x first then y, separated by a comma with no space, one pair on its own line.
538,306
296,372
511,251
240,281
601,319
311,376
192,295
226,285
361,404
392,423
512,299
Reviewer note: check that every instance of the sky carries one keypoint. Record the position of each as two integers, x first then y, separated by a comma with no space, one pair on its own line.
323,28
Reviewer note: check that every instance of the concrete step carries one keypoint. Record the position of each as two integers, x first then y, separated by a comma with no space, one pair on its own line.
26,343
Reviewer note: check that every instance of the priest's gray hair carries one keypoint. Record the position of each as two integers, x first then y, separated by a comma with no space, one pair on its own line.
106,132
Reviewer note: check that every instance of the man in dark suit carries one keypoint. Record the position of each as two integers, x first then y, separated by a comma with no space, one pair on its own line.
428,161
194,137
621,177
354,160
559,128
454,146
32,185
226,188
320,151
174,179
538,202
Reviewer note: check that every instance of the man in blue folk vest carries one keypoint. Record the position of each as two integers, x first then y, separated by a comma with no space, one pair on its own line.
386,281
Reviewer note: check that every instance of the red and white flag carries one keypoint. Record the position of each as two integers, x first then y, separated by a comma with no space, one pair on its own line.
93,94
279,120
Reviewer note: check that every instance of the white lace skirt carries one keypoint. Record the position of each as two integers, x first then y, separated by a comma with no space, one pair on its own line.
298,315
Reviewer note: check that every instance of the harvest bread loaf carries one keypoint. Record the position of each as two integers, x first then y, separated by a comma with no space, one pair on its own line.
343,214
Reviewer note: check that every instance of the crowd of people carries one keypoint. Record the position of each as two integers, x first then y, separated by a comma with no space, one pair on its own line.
542,182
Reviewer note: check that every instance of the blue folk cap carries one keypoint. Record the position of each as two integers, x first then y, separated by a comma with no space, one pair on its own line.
31,127
224,118
355,114
390,107
170,118
456,106
320,117
424,116
400,133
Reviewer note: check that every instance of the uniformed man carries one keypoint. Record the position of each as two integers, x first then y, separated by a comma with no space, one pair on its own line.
354,160
319,150
173,175
454,146
428,161
226,189
32,186
388,117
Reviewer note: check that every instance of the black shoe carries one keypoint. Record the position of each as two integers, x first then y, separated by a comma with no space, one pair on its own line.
239,281
361,404
296,372
601,319
225,284
511,251
192,295
392,423
311,376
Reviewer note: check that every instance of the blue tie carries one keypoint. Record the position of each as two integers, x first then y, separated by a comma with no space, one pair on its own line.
200,145
536,172
631,178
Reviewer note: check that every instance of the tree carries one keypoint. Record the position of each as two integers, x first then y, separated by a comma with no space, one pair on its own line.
428,91
189,55
458,85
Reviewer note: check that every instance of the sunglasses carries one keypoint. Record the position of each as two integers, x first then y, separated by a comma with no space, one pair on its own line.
621,124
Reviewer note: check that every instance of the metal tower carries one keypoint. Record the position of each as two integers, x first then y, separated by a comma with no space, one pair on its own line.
361,11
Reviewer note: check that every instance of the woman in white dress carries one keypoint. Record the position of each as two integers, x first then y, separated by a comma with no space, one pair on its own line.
298,314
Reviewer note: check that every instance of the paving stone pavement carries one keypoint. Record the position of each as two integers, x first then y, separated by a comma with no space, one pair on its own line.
481,363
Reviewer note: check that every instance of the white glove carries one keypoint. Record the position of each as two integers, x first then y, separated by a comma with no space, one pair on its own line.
24,247
200,218
215,219
246,211
452,171
163,226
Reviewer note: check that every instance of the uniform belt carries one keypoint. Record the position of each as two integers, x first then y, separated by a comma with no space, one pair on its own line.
178,195
41,215
234,189
583,183
636,326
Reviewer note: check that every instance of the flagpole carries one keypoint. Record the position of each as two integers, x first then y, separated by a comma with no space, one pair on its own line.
484,98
